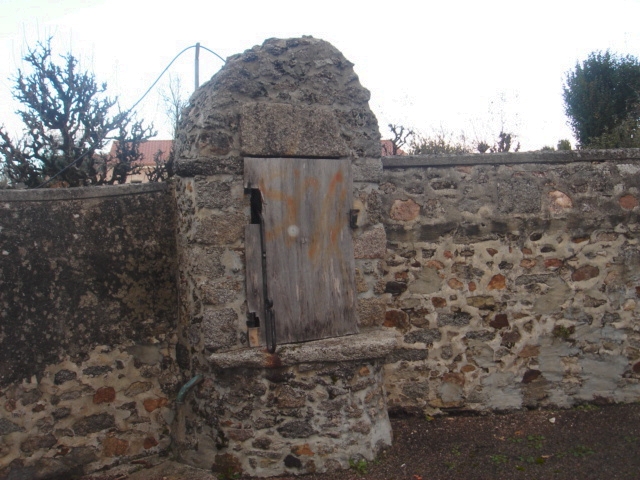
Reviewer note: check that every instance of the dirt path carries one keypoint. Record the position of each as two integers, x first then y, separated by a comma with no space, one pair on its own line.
589,442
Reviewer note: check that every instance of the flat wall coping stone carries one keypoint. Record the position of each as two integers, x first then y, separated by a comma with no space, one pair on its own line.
79,193
362,346
511,158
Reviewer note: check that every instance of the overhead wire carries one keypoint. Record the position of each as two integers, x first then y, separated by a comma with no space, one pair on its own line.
134,106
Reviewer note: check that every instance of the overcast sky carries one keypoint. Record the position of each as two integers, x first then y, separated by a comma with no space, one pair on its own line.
465,65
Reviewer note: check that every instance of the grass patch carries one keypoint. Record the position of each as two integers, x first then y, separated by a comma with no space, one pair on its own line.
499,459
581,451
360,466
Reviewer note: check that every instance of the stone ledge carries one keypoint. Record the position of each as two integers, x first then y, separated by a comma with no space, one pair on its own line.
80,193
362,346
511,158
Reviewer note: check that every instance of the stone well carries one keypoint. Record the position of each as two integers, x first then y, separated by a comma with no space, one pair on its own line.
267,153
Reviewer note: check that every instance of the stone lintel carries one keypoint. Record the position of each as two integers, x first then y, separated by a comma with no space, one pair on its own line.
361,346
218,165
282,130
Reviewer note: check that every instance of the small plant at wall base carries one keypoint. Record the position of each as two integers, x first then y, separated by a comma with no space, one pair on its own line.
67,122
361,466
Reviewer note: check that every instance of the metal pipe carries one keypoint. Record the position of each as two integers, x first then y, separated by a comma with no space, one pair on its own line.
188,386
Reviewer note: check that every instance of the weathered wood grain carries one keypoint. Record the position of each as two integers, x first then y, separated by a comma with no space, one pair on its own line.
253,256
310,264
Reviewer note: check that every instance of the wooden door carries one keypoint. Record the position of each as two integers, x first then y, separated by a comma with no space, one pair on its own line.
309,249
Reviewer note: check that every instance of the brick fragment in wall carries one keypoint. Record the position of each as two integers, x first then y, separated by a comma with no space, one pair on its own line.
404,210
497,282
584,273
227,463
396,319
104,395
559,201
628,202
114,447
152,404
499,321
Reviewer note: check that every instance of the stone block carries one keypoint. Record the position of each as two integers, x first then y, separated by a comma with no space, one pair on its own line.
219,192
219,328
114,447
152,404
404,210
209,165
372,243
296,429
457,319
38,442
104,395
371,311
94,423
220,229
426,336
517,195
136,388
367,170
284,130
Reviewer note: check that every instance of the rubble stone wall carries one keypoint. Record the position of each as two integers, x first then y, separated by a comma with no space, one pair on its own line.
513,279
494,282
298,419
88,308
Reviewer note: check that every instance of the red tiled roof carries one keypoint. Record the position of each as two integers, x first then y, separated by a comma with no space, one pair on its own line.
148,149
387,148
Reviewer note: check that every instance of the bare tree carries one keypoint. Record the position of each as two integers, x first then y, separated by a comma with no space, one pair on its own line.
401,136
175,102
67,121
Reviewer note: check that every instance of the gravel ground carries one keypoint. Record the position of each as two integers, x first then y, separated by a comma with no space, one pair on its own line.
588,442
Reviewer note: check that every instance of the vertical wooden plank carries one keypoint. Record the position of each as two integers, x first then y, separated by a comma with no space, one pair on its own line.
253,259
310,265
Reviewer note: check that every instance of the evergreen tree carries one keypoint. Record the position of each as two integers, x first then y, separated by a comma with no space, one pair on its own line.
601,94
